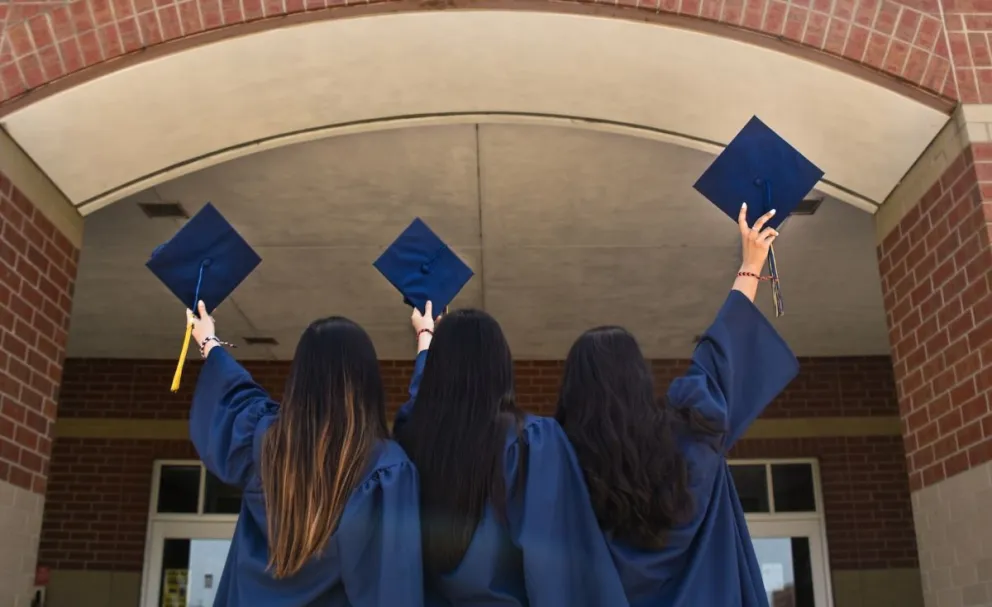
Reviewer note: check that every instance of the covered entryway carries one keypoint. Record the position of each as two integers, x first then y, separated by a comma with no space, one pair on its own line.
555,152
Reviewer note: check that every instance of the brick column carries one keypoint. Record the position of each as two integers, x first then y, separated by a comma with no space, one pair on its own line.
37,270
935,260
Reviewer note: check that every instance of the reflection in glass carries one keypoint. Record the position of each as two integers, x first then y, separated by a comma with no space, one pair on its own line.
792,485
191,571
752,487
220,498
786,570
179,489
175,568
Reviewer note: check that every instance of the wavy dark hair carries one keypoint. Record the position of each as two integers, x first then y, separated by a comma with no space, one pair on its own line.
626,439
315,454
456,434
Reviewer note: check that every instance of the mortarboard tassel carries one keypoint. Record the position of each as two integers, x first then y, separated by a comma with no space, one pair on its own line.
776,288
182,356
189,331
772,263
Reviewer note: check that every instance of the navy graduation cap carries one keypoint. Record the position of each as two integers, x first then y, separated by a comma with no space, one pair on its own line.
205,261
760,168
423,268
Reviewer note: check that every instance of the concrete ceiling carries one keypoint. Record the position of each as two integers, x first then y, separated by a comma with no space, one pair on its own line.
565,229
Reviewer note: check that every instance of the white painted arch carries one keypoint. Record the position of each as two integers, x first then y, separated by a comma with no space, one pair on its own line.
156,120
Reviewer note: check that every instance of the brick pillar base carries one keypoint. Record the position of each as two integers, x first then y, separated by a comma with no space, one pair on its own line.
936,268
37,270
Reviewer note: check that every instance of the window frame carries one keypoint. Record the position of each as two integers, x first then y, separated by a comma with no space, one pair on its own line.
772,515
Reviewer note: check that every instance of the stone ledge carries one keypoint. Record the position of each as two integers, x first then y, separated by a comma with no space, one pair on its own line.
178,429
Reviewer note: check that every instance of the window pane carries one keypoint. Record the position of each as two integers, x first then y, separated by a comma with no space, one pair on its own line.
221,498
191,570
786,570
178,489
752,487
792,485
175,572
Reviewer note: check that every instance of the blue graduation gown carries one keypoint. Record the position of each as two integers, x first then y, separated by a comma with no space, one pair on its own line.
374,557
739,366
552,553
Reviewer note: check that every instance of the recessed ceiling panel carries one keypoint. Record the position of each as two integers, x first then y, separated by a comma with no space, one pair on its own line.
567,229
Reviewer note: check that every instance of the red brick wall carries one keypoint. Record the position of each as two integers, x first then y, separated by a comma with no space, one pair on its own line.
969,25
37,270
826,387
936,269
96,513
96,510
51,40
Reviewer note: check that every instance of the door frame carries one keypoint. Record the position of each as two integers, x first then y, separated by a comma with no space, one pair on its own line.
813,531
151,577
176,526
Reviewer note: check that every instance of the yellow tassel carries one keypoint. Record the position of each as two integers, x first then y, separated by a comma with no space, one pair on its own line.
182,356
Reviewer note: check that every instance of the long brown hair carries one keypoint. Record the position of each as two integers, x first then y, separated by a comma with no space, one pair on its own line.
316,452
626,440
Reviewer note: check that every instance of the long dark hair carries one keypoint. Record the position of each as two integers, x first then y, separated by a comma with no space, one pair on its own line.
457,433
625,439
315,453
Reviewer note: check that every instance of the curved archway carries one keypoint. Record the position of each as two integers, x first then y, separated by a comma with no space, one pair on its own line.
189,109
45,43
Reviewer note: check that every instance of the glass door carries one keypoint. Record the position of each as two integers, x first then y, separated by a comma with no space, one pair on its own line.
793,562
184,563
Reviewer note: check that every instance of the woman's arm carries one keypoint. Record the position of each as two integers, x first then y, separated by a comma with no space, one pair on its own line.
227,408
423,324
741,363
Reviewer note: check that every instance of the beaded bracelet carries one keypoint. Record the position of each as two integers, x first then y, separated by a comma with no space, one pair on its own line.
422,331
755,276
210,338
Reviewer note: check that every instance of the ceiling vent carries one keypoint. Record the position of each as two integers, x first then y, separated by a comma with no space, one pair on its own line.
261,341
807,206
163,210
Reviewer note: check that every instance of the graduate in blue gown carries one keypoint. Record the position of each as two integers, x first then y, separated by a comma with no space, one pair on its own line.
506,518
658,474
330,511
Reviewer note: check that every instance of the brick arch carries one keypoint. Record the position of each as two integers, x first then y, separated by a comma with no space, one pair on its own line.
45,41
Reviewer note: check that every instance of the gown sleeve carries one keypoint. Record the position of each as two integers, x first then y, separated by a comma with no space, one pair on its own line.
407,409
227,408
740,365
380,548
566,560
